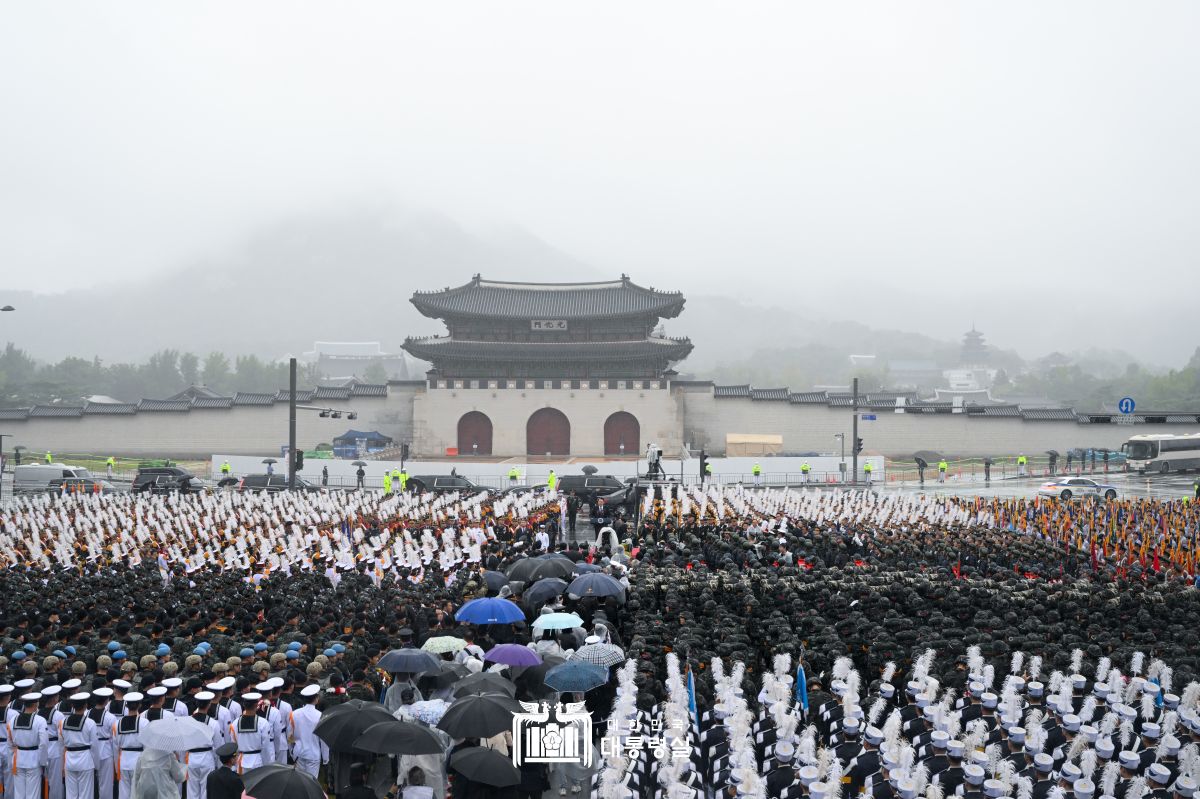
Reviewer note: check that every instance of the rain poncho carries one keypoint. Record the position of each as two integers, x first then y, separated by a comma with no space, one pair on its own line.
157,776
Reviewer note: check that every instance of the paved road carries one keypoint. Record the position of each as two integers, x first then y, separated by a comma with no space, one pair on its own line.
1172,486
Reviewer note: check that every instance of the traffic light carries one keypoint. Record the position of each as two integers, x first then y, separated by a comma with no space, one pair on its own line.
703,465
299,459
858,445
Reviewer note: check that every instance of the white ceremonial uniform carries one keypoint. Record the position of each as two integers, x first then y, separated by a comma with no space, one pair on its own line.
126,735
201,762
284,733
277,752
6,752
30,739
104,722
54,753
252,734
309,750
81,747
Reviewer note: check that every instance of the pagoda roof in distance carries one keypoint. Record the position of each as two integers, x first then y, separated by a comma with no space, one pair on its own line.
499,299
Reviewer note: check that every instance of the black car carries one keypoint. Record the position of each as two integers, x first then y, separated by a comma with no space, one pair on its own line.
441,484
165,480
273,483
591,487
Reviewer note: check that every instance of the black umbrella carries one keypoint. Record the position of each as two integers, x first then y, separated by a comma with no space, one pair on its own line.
589,469
485,682
397,737
409,661
340,727
269,460
278,781
450,673
1052,452
479,716
552,567
358,463
544,590
486,766
495,580
921,462
927,455
534,677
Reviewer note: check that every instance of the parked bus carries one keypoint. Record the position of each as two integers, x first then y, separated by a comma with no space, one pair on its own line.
1162,453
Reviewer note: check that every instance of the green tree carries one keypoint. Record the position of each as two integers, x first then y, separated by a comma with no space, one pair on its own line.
375,373
216,374
189,368
162,373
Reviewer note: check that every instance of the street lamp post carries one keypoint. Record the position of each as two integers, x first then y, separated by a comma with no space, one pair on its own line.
842,465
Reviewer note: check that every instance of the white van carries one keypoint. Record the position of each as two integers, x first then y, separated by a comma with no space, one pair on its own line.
38,476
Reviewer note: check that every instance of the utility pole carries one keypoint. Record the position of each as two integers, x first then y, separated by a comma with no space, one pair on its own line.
854,435
292,425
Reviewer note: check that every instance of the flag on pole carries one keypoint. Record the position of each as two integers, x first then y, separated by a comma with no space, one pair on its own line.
691,689
802,689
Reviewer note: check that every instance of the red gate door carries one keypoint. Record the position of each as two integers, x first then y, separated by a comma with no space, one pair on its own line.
622,434
474,434
548,434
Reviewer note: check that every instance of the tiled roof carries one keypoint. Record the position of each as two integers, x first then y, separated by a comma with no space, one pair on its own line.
548,300
808,398
212,402
174,406
304,395
251,398
368,390
661,349
769,394
110,408
891,396
731,391
56,410
13,414
1049,414
332,392
1003,411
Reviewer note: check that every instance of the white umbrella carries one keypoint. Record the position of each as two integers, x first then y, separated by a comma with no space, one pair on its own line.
176,734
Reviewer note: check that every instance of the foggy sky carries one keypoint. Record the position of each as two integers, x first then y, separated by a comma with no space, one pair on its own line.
1028,167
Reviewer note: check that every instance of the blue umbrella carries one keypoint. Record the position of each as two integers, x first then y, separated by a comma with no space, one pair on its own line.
489,610
595,584
586,568
576,677
544,590
557,621
411,661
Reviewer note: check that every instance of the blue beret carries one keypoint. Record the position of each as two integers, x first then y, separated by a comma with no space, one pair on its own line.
162,650
113,646
30,648
294,646
329,653
205,645
260,647
292,654
339,648
71,650
118,655
18,655
201,651
246,652
58,653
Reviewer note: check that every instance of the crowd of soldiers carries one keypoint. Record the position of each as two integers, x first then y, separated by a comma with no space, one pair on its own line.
256,613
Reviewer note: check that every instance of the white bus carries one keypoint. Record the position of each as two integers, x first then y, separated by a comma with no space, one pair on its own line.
1162,453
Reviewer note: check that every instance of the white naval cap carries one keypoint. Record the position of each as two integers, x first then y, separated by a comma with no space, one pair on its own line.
134,697
310,690
156,692
1083,788
973,772
82,696
205,696
1129,760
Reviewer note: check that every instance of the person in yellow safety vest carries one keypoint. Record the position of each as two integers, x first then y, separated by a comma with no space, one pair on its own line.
403,480
805,470
757,472
396,485
1021,461
551,481
110,464
514,475
387,482
867,471
942,467
708,470
49,457
226,469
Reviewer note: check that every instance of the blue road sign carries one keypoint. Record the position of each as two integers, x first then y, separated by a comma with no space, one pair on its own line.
1126,405
868,417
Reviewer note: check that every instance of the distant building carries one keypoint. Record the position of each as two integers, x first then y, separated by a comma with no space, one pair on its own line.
974,350
343,360
917,374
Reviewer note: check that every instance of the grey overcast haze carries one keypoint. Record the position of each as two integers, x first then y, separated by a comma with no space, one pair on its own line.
1031,168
